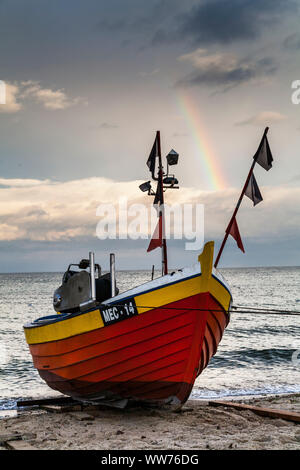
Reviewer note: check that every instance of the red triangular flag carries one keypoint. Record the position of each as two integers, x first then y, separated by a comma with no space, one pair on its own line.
234,232
156,240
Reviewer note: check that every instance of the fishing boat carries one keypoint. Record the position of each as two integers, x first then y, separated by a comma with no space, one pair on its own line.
149,343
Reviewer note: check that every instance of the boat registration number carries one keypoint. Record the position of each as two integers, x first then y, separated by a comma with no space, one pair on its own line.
121,311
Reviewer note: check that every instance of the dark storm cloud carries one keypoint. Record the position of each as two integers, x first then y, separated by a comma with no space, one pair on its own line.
223,70
133,21
215,76
223,21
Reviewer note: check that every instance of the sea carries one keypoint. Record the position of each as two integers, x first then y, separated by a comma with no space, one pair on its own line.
258,355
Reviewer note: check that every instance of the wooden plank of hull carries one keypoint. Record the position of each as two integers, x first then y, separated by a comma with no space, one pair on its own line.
216,324
153,356
109,347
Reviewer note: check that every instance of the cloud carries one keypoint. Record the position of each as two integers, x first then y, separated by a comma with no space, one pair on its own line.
44,210
12,103
50,99
18,92
48,211
263,118
204,23
21,183
153,15
221,21
9,232
292,42
223,69
155,23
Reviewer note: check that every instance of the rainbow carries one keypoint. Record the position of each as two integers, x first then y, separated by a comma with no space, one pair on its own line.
204,150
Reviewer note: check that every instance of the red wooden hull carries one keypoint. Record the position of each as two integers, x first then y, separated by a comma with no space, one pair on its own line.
155,356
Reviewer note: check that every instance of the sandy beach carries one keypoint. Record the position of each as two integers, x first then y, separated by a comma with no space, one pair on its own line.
196,426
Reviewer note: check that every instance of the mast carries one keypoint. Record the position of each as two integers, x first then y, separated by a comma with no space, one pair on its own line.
164,254
164,181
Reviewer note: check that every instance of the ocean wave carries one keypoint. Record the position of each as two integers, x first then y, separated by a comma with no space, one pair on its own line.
277,330
244,357
206,393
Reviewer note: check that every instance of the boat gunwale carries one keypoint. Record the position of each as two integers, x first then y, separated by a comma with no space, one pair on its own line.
55,318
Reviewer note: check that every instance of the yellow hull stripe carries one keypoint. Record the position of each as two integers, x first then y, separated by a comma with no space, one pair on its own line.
181,290
162,296
65,328
220,293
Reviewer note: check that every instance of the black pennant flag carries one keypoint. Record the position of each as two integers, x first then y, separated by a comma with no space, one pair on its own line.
152,156
263,155
253,191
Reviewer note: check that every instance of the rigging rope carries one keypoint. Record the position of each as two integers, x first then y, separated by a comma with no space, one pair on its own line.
234,309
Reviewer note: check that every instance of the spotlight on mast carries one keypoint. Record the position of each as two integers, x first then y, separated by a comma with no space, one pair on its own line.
145,187
172,157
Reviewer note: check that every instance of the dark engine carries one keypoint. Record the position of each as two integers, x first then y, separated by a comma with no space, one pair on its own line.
75,290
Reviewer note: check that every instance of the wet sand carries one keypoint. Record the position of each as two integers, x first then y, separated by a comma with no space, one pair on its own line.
197,426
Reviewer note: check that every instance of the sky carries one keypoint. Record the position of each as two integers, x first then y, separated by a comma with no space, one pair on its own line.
88,83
